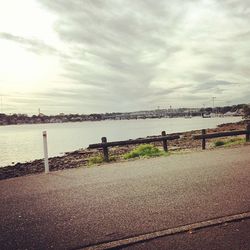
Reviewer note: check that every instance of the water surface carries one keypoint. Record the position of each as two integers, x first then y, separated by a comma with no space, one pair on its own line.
21,143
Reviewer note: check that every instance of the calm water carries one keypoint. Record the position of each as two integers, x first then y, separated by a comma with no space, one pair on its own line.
21,143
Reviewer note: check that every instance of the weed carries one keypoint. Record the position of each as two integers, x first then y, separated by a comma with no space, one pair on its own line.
99,159
95,160
145,150
230,142
113,158
219,143
235,141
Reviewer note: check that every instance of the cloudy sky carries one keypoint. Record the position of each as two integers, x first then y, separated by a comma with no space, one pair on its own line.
86,56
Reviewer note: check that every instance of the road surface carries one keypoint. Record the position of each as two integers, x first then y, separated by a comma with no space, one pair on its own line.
231,236
76,208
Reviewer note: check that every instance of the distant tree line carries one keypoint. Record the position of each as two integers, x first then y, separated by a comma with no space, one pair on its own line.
225,109
25,119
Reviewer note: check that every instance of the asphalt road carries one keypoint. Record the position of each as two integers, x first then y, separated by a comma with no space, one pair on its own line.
75,208
231,236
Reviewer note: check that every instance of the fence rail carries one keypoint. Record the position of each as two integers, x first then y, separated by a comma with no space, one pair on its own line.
104,144
205,136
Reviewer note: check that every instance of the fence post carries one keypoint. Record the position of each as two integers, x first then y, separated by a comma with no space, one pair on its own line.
248,133
203,132
105,150
45,149
164,142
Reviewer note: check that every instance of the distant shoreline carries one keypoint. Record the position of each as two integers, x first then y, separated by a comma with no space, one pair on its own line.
40,118
79,158
100,120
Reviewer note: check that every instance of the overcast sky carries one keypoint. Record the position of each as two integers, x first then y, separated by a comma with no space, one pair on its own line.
93,56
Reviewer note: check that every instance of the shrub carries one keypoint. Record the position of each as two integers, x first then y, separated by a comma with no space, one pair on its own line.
145,150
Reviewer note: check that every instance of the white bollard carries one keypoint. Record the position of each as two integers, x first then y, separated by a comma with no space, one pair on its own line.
45,148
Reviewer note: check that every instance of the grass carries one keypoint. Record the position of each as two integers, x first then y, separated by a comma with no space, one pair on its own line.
144,151
230,142
99,159
95,160
219,143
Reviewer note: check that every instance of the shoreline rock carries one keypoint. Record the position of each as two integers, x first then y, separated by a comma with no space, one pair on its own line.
79,158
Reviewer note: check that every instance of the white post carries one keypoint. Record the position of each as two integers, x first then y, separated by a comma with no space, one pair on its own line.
45,148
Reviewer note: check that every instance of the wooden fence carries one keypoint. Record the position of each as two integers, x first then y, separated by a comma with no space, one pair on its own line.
205,136
164,138
105,145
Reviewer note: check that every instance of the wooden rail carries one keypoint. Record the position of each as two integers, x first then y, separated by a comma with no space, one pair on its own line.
104,144
205,136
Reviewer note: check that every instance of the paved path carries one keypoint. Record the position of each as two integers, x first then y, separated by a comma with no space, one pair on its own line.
75,208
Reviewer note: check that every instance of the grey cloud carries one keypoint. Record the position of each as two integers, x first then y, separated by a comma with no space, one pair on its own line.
33,45
213,86
243,35
60,100
236,8
118,49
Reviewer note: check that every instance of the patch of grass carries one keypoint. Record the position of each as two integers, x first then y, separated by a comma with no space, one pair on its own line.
95,160
230,142
113,158
99,159
145,150
235,141
219,143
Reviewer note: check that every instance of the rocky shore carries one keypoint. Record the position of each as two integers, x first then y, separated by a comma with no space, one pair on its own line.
80,158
